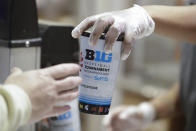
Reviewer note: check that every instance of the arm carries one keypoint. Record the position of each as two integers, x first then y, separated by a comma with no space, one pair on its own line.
167,104
138,117
15,107
25,95
178,22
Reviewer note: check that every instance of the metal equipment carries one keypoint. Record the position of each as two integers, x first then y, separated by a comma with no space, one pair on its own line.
21,40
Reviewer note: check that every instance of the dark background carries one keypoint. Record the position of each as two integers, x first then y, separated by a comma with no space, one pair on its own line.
2,9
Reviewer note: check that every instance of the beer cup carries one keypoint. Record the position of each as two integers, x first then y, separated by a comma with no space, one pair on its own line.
99,71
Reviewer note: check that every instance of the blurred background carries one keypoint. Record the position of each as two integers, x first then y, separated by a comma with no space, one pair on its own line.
151,69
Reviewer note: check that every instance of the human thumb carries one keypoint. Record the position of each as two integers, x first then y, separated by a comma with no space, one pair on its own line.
16,71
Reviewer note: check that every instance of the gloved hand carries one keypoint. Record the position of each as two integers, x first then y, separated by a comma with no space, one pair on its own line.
134,22
47,87
132,118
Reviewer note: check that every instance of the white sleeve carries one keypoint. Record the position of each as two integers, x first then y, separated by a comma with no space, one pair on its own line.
15,107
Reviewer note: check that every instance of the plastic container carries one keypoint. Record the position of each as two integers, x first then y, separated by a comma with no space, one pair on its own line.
99,70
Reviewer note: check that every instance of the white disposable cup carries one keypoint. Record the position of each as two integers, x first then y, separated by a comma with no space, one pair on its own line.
99,70
70,121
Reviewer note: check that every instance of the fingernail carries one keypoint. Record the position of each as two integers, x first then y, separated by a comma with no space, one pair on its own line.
90,43
125,56
93,40
78,79
75,33
16,70
77,67
13,69
76,94
108,48
67,107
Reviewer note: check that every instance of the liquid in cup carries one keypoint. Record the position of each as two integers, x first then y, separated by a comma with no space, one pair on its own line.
99,70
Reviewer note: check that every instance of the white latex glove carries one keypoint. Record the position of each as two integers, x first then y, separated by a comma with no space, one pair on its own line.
133,118
134,23
47,87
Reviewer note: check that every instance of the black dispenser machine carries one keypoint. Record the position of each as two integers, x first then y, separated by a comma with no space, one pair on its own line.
19,36
26,44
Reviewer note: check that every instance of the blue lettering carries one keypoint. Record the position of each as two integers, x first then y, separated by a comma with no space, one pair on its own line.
106,57
65,116
98,56
100,78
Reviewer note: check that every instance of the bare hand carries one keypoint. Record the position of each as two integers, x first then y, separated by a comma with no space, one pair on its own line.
47,87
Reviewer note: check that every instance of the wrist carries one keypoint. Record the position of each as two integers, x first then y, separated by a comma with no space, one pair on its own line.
151,10
143,16
18,103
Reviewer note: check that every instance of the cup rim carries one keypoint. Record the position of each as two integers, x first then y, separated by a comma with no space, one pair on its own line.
87,34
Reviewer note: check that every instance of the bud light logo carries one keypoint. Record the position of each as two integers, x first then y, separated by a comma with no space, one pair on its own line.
98,56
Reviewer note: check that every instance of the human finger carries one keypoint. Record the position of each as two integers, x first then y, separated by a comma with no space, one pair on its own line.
109,118
100,25
58,110
127,45
68,83
68,96
60,71
16,71
112,35
84,25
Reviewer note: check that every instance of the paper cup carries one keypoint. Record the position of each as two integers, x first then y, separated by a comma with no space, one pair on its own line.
70,121
99,70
